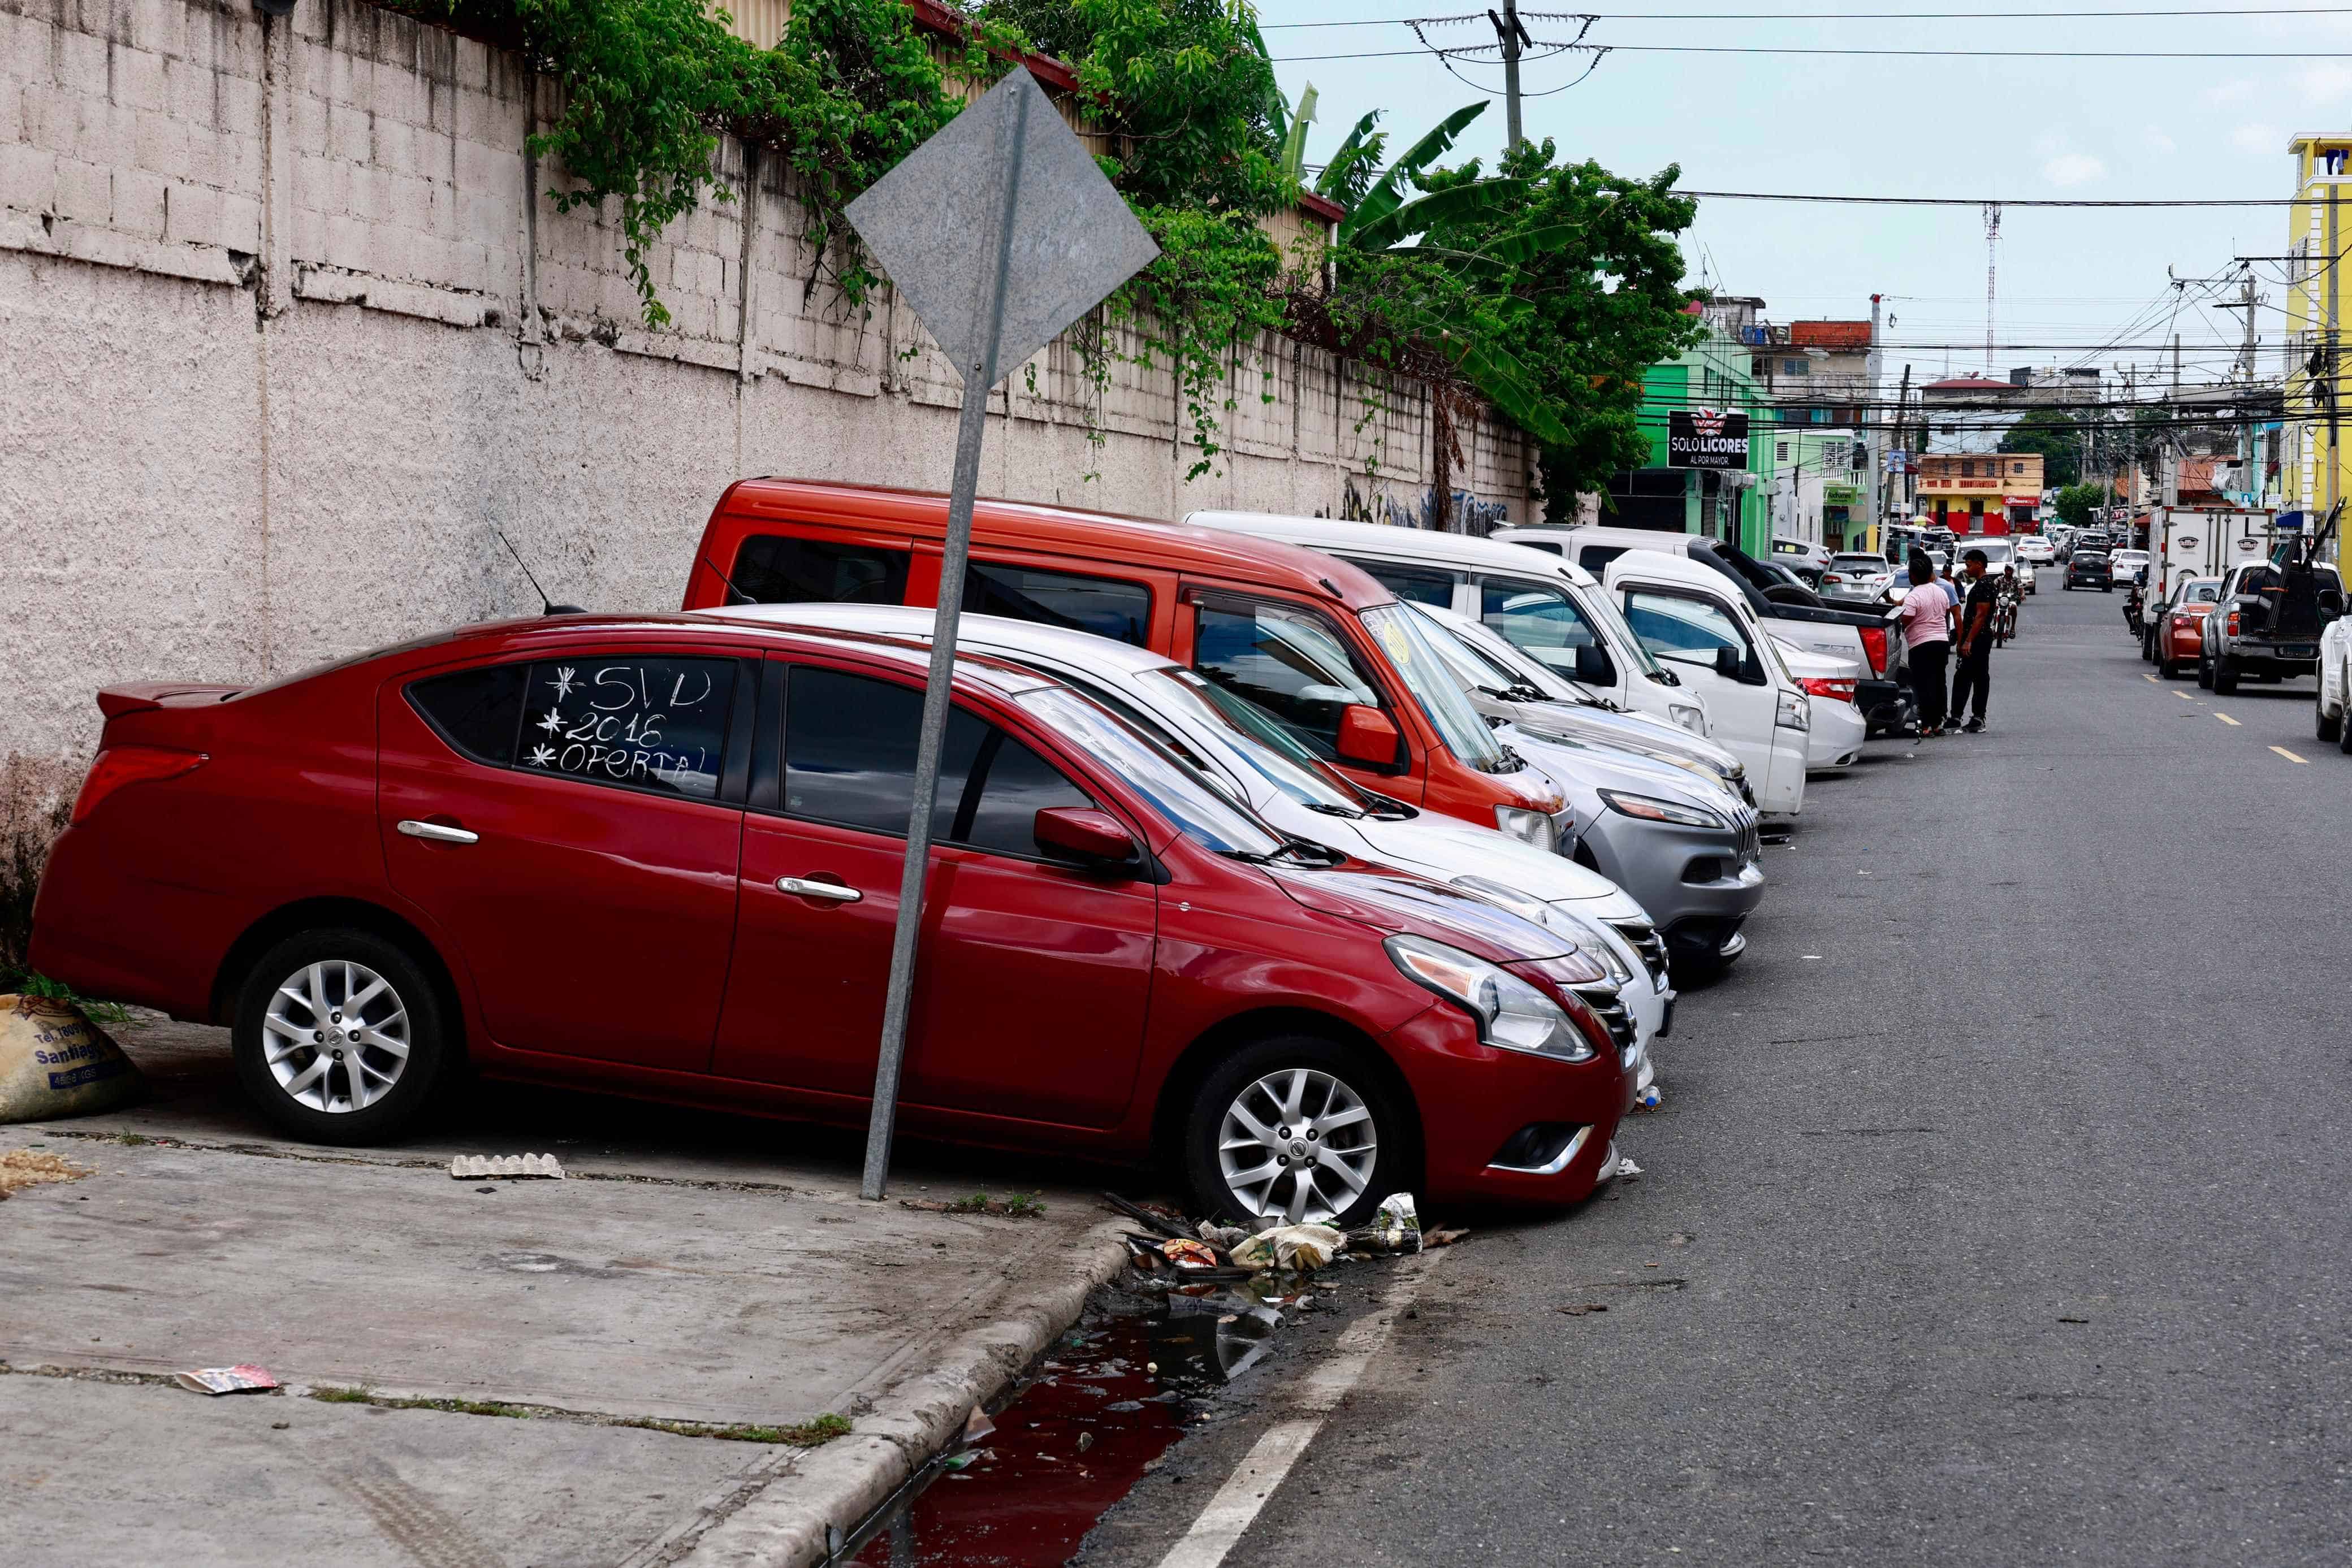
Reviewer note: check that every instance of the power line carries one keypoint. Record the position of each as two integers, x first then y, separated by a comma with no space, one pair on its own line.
2005,201
1901,54
1822,17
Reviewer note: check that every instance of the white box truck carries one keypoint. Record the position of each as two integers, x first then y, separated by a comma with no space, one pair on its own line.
2205,542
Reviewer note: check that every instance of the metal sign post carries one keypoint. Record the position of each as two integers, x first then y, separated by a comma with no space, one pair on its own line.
998,232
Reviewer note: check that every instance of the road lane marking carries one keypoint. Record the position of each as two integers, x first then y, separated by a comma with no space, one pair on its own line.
2232,723
2145,676
2184,696
1235,1507
2290,756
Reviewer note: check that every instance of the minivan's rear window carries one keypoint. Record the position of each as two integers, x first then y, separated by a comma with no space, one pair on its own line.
775,568
1102,605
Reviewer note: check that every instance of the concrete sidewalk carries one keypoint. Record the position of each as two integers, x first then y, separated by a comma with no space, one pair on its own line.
717,1274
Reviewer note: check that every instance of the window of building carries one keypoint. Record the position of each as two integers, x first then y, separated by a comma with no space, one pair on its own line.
1780,452
1796,367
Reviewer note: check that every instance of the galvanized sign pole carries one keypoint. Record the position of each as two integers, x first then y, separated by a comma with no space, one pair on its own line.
1008,183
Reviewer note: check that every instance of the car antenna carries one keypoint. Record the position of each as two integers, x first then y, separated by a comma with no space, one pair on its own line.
730,581
546,605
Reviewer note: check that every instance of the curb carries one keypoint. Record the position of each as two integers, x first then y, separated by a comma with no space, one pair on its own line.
830,1490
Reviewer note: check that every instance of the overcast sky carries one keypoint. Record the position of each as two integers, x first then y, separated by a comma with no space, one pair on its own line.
2014,128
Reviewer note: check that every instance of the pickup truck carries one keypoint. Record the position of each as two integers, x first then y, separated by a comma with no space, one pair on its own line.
1793,614
2267,624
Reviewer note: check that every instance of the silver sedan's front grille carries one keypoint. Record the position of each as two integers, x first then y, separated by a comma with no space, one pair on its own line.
1643,938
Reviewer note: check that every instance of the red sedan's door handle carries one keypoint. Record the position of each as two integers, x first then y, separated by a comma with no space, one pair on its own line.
826,890
439,832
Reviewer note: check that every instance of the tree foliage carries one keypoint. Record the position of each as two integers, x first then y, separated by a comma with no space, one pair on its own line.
2057,436
2076,502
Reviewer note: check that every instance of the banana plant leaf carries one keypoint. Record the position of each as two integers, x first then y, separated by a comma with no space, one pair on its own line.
1388,192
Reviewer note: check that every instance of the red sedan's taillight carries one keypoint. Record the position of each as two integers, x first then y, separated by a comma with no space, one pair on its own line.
119,765
1873,647
1836,688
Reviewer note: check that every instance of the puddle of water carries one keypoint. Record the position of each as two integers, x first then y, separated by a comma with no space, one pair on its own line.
1077,1437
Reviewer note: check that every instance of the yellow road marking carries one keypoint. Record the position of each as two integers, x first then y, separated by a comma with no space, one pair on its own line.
2184,696
2225,718
2145,676
2290,756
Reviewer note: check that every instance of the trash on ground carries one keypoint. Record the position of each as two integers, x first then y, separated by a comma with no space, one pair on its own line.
1651,1098
1224,1237
484,1167
1396,1225
977,1425
242,1378
1189,1254
1626,1168
28,1167
55,1062
1445,1237
1291,1246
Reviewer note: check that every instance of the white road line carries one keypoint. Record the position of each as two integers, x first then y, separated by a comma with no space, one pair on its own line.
1235,1507
2232,723
2145,676
2290,756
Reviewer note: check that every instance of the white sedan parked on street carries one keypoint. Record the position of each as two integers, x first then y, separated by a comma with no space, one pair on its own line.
1857,576
1245,752
1839,727
2335,672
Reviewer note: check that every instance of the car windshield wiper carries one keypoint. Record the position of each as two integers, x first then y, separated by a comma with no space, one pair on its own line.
1330,808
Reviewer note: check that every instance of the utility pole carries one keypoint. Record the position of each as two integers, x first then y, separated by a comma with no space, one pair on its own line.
1901,402
1872,445
1514,38
1992,236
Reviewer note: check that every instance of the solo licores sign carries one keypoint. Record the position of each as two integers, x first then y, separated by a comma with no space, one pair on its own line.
1705,438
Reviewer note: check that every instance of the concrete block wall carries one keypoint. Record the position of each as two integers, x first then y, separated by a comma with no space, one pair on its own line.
290,329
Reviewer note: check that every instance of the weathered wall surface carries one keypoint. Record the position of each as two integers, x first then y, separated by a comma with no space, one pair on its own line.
288,327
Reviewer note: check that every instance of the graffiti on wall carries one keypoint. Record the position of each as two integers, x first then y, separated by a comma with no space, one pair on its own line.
1471,514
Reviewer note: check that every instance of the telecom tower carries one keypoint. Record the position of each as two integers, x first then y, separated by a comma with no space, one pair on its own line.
1992,235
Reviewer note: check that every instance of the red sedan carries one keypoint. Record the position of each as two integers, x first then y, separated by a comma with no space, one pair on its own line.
2177,635
661,855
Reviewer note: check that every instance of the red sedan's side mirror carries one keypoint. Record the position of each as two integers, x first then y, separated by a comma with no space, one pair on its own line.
1368,735
1084,837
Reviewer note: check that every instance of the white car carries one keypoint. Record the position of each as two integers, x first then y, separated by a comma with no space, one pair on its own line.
2124,565
2334,702
2032,550
1558,612
1856,576
1250,754
1699,623
1839,729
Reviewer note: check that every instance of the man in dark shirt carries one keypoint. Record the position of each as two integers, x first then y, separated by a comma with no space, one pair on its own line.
1972,678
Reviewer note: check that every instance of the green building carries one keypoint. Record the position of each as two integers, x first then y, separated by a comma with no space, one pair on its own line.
1727,504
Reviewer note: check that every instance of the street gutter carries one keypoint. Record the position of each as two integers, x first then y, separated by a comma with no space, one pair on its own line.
802,1514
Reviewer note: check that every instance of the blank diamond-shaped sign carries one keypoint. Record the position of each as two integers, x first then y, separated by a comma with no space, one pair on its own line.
1000,231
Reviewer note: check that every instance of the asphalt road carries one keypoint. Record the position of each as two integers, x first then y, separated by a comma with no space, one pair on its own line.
1995,1214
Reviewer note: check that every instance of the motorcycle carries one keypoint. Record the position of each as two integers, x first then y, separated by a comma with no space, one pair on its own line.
2134,603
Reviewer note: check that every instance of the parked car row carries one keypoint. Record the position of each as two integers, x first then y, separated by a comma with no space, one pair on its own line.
2261,621
1311,860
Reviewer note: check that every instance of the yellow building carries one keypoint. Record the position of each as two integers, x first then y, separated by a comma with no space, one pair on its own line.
2315,471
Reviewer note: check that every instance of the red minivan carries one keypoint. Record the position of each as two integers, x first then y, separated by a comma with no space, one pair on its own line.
1312,640
661,854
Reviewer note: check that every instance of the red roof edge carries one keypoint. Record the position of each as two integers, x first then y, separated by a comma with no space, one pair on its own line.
1323,207
1049,71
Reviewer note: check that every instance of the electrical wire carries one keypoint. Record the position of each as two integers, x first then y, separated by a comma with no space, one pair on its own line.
1899,54
1818,17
